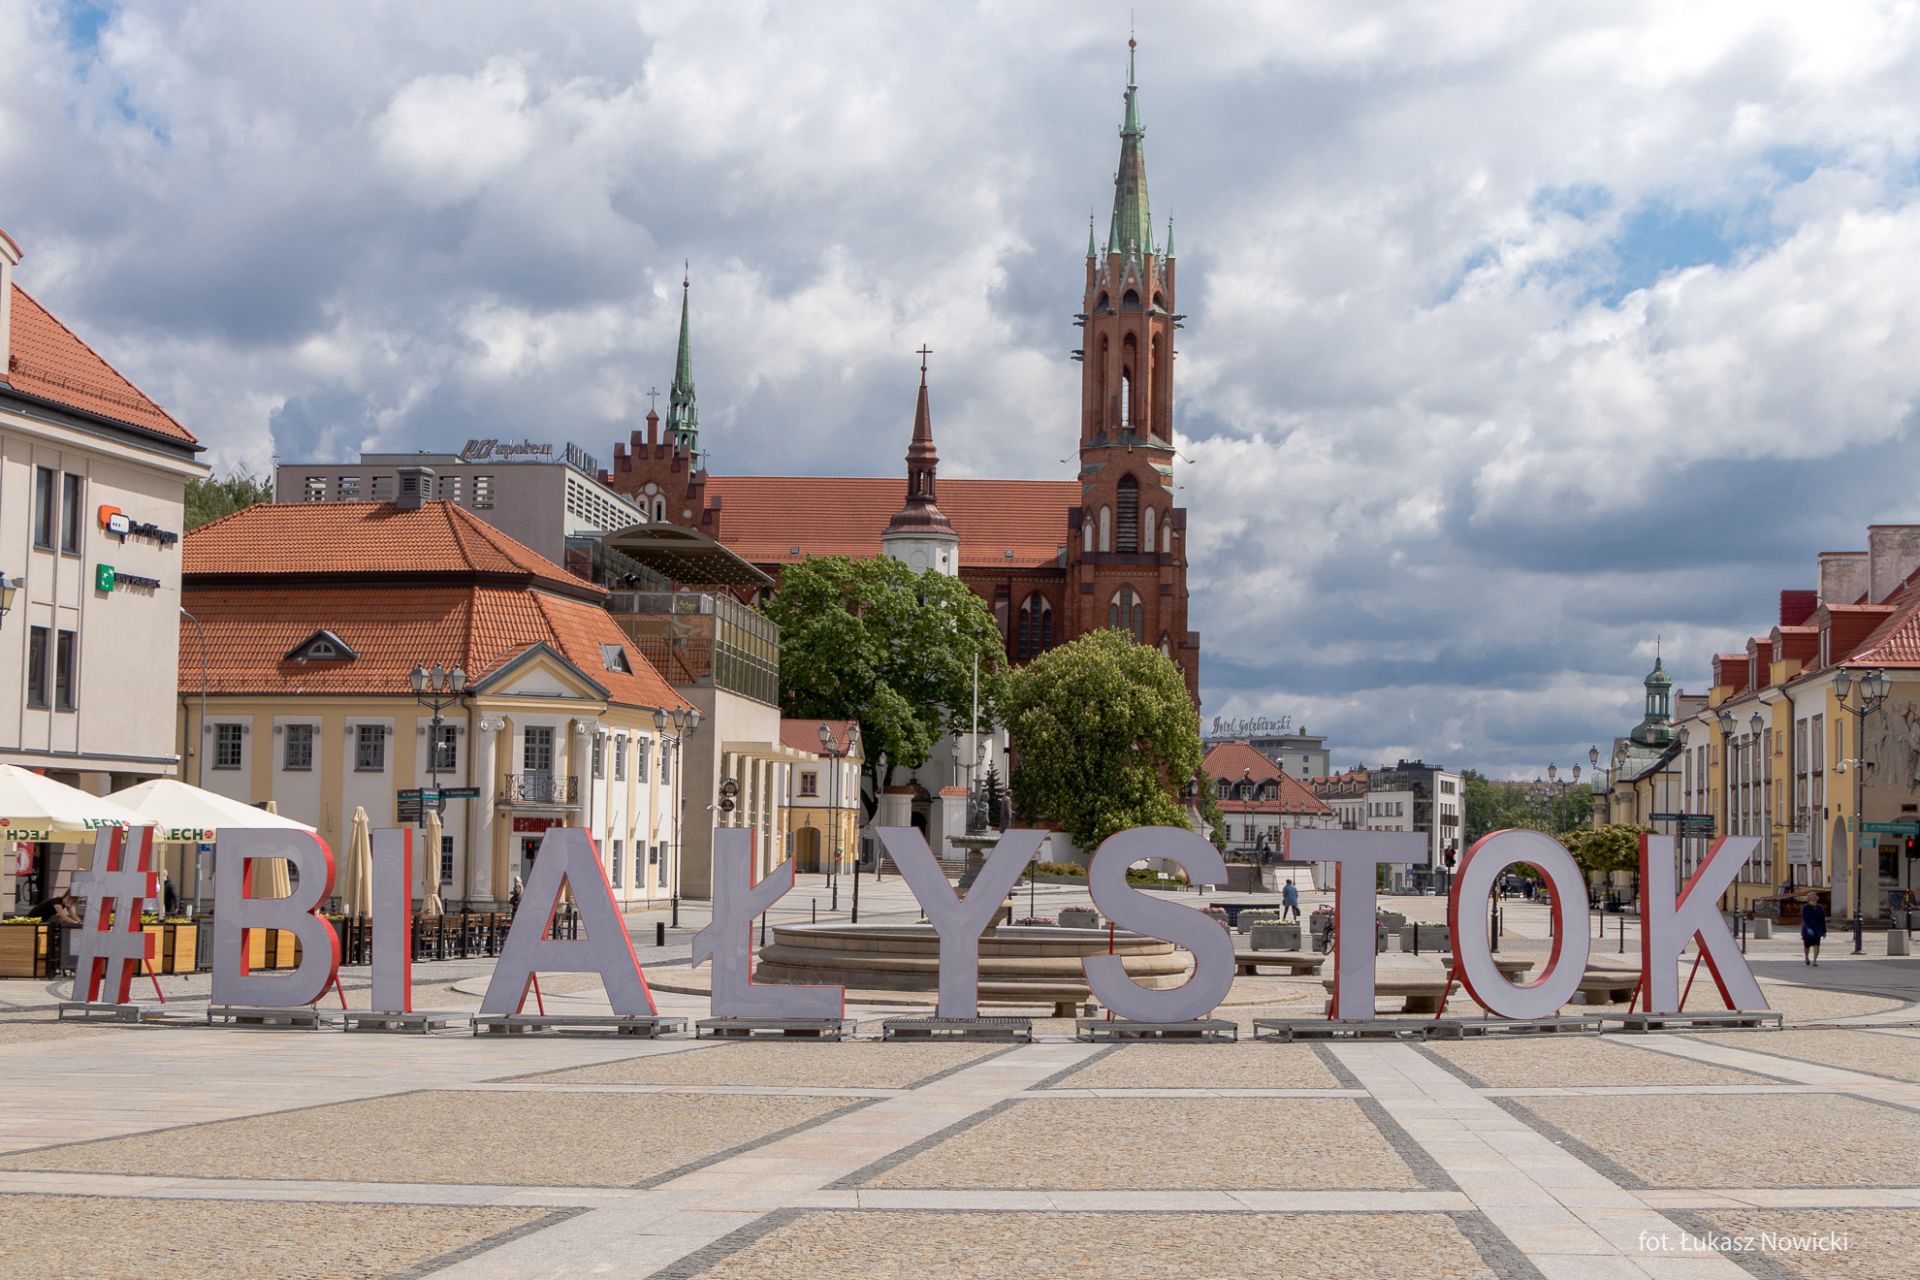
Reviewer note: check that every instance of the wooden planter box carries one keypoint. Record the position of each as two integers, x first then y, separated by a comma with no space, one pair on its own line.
23,950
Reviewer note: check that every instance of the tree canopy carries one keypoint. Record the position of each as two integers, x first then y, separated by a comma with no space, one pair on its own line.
873,641
1496,806
216,496
1614,847
1106,737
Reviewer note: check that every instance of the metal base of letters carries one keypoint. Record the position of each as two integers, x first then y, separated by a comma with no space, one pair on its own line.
1717,1019
998,1030
363,1020
791,1028
646,1026
1287,1030
304,1017
97,1011
1099,1029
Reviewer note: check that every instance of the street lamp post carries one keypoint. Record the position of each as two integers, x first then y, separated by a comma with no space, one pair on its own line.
835,751
685,722
1873,692
437,690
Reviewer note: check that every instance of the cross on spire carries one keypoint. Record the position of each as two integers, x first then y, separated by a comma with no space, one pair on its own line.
653,399
923,353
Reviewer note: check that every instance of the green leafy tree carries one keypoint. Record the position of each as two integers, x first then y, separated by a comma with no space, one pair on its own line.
1607,849
873,641
1106,736
216,496
1209,806
1496,806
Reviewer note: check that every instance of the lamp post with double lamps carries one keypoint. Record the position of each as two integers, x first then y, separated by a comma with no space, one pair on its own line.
836,752
436,690
685,721
1873,687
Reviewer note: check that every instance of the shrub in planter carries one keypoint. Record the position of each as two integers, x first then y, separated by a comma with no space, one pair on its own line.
1249,919
1047,921
1060,869
1080,918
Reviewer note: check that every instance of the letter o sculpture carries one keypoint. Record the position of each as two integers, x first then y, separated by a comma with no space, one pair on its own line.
1480,868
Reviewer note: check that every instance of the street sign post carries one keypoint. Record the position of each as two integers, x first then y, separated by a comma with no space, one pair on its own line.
1893,828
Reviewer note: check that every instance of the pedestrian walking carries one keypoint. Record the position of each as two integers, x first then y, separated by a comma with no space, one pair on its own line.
514,894
1813,928
1290,901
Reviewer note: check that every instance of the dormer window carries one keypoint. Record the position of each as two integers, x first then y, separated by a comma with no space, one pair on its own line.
321,646
614,657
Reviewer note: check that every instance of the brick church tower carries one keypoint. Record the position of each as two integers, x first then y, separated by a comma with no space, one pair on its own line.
1126,551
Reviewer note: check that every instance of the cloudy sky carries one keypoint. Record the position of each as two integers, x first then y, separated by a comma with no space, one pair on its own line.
1519,334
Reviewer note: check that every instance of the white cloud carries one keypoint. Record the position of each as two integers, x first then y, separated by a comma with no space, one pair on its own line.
447,137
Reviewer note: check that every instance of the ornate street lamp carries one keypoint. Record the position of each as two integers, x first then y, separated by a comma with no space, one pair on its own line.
436,690
836,752
685,722
1873,686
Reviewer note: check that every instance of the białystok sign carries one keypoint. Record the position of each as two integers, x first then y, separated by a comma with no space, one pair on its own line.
111,943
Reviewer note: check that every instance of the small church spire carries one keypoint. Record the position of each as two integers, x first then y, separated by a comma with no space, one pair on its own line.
919,533
683,411
1132,232
1092,251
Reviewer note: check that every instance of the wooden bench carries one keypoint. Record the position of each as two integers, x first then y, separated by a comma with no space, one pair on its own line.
1420,993
1294,962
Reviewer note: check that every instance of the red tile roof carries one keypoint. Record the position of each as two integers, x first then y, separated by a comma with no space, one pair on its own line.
1850,626
1294,798
1896,641
391,629
317,540
804,735
1231,761
763,518
49,361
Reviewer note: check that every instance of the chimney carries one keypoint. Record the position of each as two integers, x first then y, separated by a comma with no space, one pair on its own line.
415,489
1893,552
10,256
1797,606
1843,576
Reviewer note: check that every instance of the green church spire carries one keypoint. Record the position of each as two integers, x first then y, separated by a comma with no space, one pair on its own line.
683,414
1132,228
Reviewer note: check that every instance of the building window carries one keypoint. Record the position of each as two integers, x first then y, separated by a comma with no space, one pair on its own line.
482,492
446,750
1035,636
315,489
298,756
349,488
446,859
226,746
640,751
37,639
1127,515
619,759
383,489
536,751
1146,530
369,748
63,672
599,755
809,782
1127,613
1106,528
71,511
45,499
618,849
666,764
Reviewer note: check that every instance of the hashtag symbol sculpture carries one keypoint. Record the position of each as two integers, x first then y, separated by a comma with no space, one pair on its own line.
111,944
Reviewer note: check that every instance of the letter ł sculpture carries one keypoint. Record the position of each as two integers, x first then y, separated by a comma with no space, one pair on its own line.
728,939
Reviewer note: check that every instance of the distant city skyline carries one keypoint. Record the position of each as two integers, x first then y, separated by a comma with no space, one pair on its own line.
1517,337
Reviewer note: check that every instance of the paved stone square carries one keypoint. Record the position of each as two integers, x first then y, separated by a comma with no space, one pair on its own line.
1565,1061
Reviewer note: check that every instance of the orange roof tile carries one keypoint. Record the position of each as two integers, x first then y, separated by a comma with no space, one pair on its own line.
50,362
1234,760
339,539
1896,641
804,735
250,630
763,518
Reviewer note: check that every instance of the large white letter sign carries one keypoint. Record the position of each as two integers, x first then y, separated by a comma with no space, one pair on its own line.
728,939
567,859
393,920
234,913
111,943
959,923
1159,916
1480,867
1666,929
1354,898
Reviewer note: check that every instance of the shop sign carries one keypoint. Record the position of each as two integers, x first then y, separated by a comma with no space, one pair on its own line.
122,526
506,451
534,826
108,578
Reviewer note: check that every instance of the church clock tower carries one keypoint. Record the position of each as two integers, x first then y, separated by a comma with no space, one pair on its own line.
1126,548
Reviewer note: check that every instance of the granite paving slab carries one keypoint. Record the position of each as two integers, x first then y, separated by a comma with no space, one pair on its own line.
841,1064
1202,1066
1575,1061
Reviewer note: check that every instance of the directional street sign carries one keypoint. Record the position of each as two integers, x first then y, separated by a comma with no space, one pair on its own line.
460,793
1893,828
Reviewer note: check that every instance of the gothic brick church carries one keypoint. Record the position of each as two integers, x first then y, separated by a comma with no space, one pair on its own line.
1054,559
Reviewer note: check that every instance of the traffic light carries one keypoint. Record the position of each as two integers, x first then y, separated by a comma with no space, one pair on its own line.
1912,846
1450,855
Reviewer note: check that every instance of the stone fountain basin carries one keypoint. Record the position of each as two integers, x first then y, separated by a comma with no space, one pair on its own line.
1019,964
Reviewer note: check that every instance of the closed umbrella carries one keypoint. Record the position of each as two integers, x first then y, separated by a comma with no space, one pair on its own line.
430,904
270,878
356,876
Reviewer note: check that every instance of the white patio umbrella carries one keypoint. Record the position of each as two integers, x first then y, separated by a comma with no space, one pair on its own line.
35,807
354,882
185,814
270,878
430,904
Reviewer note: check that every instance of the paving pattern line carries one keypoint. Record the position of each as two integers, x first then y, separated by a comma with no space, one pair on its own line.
658,1228
137,1186
1156,1201
1783,1198
1887,1089
1565,1217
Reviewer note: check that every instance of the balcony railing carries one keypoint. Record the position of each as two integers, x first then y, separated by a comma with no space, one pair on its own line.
540,789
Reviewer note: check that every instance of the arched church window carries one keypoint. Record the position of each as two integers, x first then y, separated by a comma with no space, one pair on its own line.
1127,523
1130,301
660,508
1166,537
1106,528
1127,612
1126,400
1146,529
1086,535
1035,636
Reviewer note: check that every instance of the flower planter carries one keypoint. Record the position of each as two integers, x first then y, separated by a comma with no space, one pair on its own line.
23,950
1431,937
1276,937
1073,918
